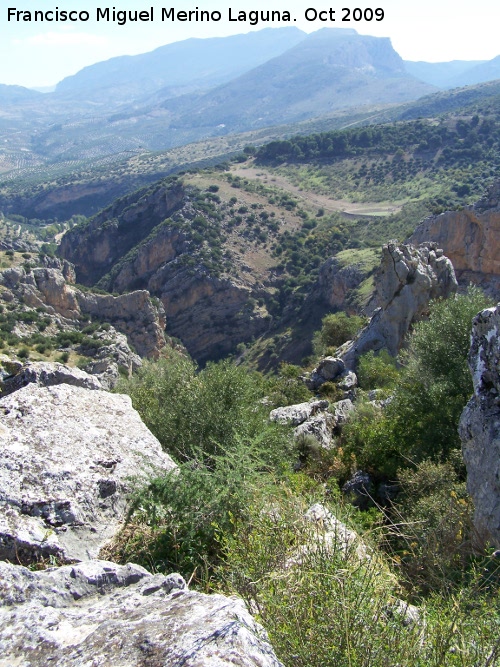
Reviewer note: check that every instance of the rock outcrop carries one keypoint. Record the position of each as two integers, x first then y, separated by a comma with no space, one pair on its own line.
471,239
45,374
133,314
480,426
99,613
407,280
68,460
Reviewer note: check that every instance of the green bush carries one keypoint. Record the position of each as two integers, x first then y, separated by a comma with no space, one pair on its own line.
434,386
377,370
336,329
328,607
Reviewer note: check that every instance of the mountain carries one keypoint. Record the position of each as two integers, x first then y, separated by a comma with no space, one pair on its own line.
330,69
17,94
486,71
179,67
455,73
441,75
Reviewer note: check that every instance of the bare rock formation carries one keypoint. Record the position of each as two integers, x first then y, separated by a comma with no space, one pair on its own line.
471,239
134,314
100,613
480,425
407,280
336,282
68,460
45,374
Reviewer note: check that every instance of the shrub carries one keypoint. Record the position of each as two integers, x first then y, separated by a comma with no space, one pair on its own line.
336,329
377,370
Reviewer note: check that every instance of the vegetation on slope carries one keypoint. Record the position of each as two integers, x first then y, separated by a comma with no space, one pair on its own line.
233,517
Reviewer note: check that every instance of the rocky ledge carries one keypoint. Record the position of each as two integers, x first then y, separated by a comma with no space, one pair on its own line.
100,613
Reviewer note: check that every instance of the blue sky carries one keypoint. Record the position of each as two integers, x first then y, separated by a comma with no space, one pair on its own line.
40,54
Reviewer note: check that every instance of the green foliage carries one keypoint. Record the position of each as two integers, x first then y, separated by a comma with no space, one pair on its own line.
215,423
328,607
286,386
432,533
336,329
421,420
377,370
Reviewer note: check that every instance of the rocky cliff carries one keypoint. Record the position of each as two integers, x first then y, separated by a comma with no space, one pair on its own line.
407,279
471,239
480,426
95,247
183,260
50,289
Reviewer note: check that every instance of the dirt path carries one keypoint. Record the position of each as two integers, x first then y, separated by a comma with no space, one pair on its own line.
313,199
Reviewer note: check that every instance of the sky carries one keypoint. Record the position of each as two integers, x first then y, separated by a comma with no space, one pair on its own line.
36,54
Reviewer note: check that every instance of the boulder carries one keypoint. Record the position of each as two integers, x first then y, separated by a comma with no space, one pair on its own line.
319,427
298,413
480,426
340,412
68,460
100,613
407,280
328,369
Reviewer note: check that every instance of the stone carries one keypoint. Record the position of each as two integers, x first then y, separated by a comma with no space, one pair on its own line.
100,613
45,374
69,458
319,427
480,426
359,489
328,369
330,534
347,381
407,280
340,411
298,413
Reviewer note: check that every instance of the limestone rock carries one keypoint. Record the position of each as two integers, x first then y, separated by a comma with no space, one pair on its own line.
328,369
99,613
336,282
133,314
298,413
480,425
407,280
340,411
471,239
68,459
46,374
330,534
319,427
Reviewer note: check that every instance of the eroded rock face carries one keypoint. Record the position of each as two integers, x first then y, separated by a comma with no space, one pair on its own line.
407,280
471,239
100,613
68,459
133,314
480,425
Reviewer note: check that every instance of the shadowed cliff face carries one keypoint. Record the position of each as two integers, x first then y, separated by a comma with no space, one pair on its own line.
471,239
96,247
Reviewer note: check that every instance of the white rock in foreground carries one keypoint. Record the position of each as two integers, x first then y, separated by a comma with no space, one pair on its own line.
68,457
100,613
